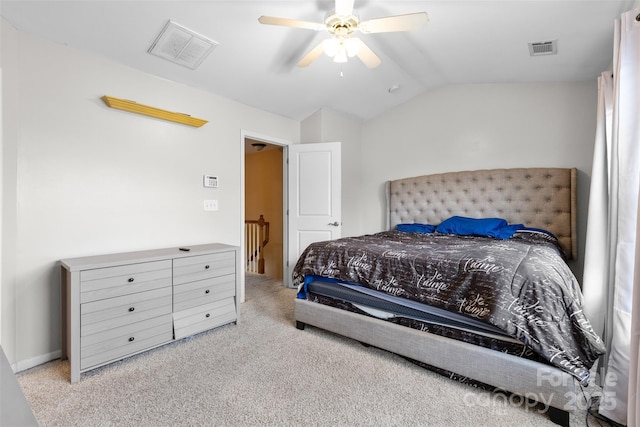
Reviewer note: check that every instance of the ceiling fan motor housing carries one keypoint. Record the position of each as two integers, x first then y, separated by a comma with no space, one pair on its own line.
340,25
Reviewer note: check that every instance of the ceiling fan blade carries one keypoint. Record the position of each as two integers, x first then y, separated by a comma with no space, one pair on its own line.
389,24
367,56
344,7
286,22
311,56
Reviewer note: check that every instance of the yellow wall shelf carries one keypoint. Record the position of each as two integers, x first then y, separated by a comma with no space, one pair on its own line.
134,107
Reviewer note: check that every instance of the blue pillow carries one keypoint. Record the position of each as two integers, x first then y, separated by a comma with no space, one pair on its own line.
471,226
506,232
416,228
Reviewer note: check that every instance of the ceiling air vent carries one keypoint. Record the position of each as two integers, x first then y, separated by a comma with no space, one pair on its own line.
543,48
182,46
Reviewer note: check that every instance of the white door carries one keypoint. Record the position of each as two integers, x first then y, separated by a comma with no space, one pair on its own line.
314,209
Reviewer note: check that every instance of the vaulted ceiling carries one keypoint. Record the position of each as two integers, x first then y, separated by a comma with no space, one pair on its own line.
464,42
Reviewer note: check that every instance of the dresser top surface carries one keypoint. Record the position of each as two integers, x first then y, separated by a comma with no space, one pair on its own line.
99,261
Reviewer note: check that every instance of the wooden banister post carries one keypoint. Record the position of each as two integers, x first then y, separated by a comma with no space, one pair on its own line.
261,249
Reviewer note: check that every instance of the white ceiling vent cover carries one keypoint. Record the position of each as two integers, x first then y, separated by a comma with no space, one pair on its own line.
178,44
543,48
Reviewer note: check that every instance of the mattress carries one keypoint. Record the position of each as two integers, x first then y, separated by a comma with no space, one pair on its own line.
361,300
387,306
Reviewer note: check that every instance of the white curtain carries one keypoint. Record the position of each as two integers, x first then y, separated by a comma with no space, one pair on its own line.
633,413
611,273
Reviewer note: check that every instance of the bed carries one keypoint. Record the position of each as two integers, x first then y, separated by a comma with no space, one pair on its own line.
470,279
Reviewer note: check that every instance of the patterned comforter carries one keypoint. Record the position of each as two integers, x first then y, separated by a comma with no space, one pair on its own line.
521,285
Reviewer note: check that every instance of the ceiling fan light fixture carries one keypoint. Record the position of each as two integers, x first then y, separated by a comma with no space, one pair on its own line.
352,46
331,47
341,49
341,56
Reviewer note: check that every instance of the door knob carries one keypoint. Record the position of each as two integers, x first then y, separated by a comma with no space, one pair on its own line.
335,223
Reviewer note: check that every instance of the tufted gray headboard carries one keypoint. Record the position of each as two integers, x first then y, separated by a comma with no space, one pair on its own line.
537,197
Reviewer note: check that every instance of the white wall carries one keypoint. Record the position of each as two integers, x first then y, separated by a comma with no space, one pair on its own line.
91,180
1,189
9,51
468,127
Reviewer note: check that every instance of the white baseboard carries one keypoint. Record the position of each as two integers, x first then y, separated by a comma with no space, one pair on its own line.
23,365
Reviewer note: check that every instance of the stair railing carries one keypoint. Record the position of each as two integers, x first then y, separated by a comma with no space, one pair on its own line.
256,238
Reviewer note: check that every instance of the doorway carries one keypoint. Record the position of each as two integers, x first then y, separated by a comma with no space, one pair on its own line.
264,198
272,179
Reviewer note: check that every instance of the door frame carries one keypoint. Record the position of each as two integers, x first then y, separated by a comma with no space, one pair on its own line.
244,134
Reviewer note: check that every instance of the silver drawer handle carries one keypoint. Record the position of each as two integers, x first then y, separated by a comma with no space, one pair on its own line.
334,224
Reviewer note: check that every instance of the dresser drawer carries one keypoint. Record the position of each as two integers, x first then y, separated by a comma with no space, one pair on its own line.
203,317
203,266
111,313
117,343
201,292
101,283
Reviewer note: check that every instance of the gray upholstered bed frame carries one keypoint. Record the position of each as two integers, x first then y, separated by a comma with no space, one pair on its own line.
537,197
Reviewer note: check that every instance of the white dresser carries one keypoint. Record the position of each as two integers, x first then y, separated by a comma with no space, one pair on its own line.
117,305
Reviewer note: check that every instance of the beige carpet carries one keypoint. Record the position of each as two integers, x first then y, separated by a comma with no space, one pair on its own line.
266,372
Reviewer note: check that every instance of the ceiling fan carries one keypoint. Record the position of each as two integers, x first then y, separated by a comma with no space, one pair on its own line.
342,23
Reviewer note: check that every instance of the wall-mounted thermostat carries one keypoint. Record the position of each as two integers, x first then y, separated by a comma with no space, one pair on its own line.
211,181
